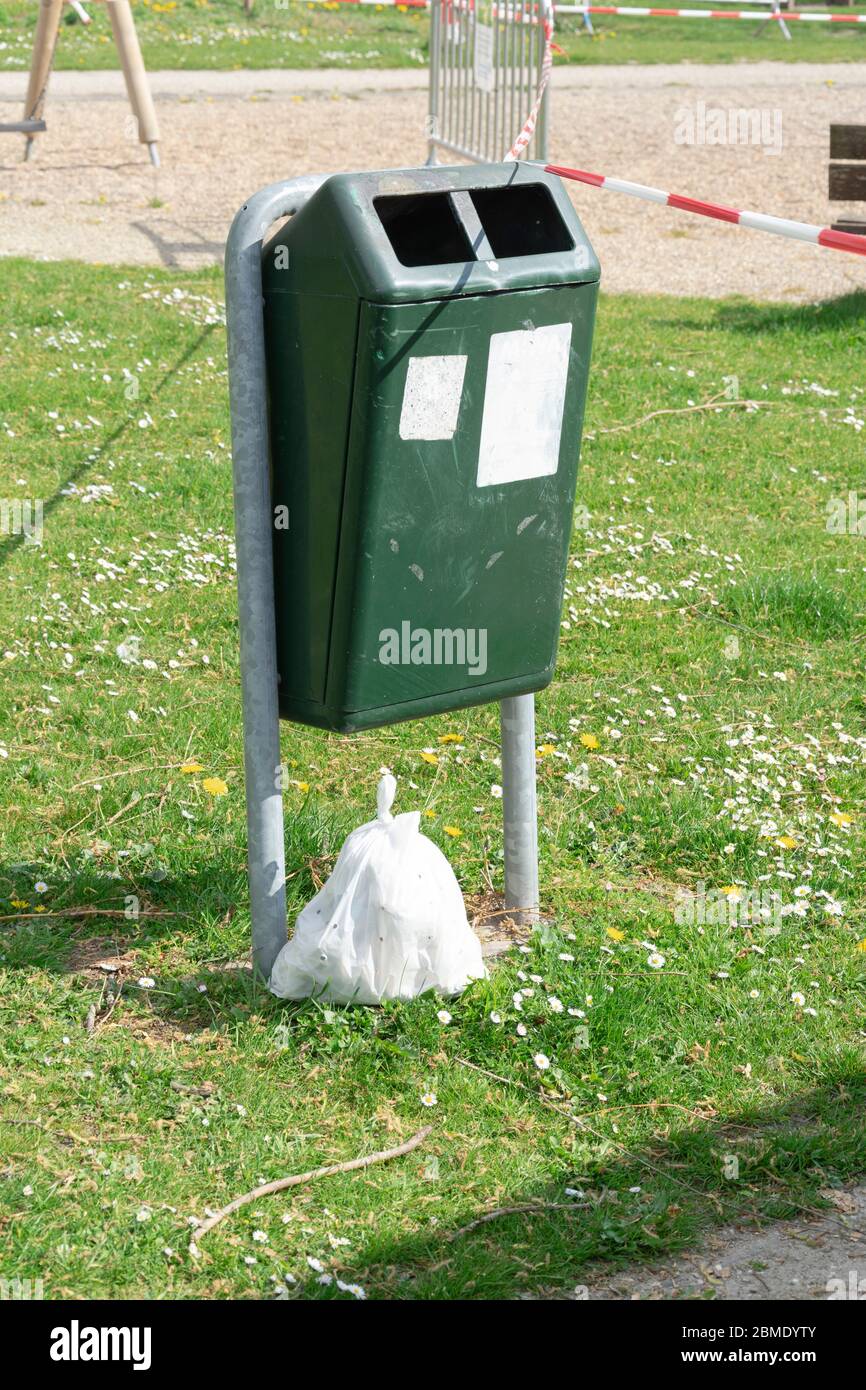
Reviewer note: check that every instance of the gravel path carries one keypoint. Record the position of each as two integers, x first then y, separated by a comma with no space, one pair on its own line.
92,195
823,1259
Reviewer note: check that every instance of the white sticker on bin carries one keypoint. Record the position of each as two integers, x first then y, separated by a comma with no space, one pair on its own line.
431,397
524,399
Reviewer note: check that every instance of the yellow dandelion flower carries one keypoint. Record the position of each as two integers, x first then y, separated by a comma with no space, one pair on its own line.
841,818
545,750
19,902
303,787
615,934
453,830
430,814
589,740
450,738
430,758
215,786
731,890
191,767
786,842
861,945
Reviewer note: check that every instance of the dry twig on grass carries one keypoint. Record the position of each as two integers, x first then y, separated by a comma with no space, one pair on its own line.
298,1179
714,404
515,1211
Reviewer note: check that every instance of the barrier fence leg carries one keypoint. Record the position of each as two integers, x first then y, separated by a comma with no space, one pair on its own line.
435,69
519,812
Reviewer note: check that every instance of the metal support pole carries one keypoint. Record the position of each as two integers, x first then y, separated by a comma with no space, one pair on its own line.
519,812
254,537
774,15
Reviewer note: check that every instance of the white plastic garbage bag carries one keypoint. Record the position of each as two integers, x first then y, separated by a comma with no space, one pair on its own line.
389,924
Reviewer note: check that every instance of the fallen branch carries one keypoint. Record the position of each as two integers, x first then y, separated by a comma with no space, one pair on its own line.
681,410
81,912
514,1211
298,1179
46,1129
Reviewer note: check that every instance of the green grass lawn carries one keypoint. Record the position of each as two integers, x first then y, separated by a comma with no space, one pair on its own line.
218,34
707,725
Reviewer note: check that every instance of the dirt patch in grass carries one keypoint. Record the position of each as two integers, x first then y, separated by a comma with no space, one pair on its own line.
98,956
495,926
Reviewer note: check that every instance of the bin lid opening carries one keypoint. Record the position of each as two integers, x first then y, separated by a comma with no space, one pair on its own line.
431,228
423,229
521,220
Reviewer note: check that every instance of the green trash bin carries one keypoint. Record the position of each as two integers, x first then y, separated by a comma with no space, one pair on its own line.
428,338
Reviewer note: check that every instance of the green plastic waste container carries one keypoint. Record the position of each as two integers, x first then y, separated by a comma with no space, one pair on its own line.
428,339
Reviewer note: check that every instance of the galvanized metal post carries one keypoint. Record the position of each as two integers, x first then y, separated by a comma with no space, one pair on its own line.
254,538
519,811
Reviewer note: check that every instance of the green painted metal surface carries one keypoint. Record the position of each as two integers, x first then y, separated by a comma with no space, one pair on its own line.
428,336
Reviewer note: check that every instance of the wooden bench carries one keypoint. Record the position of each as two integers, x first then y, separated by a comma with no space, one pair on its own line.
847,172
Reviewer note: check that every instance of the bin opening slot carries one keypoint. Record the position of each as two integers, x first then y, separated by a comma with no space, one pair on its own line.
521,220
423,229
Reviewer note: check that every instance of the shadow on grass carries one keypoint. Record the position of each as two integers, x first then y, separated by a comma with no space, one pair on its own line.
10,544
846,311
640,1206
180,928
749,318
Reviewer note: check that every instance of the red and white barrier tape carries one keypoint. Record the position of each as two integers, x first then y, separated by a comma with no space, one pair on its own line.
402,4
545,16
758,221
819,17
786,15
